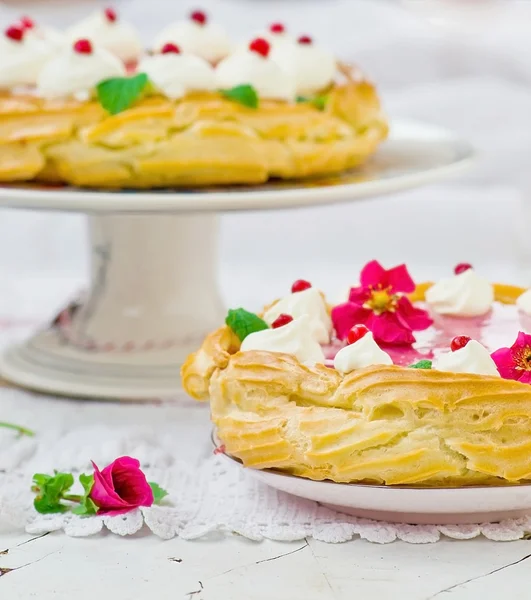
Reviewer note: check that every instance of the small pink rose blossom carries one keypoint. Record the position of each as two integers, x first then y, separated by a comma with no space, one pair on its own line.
120,487
379,304
515,362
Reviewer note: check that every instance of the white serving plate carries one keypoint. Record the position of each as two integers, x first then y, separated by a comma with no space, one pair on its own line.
415,505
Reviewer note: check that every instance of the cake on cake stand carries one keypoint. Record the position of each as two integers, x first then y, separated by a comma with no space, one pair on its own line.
153,293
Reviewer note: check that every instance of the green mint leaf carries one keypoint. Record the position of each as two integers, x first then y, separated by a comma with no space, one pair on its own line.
318,102
243,322
40,479
119,93
158,492
86,506
244,94
44,506
422,364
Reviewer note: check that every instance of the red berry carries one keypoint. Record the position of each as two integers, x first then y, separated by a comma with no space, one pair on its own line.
281,320
260,46
170,48
27,23
83,47
462,267
300,285
459,342
305,40
356,333
277,28
111,15
15,32
199,17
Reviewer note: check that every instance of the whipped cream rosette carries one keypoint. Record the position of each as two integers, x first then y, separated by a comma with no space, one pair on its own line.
362,351
255,67
106,30
312,67
196,35
174,74
22,57
77,71
470,357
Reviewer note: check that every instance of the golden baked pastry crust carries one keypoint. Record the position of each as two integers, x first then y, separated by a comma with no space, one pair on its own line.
383,424
203,139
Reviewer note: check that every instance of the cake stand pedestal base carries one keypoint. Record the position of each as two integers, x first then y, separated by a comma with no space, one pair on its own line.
152,300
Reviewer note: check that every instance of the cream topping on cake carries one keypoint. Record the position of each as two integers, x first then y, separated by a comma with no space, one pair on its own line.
197,35
254,67
22,57
312,67
174,73
35,31
362,353
106,30
308,302
473,358
464,295
77,70
295,338
524,302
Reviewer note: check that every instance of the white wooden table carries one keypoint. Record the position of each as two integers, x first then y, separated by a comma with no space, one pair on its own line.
55,567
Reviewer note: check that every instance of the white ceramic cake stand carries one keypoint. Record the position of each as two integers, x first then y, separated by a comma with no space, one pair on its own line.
153,294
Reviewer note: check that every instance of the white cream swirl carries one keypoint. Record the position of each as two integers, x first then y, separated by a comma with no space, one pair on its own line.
175,74
464,295
119,38
209,40
77,74
250,68
295,338
524,302
473,358
310,66
362,353
22,60
308,302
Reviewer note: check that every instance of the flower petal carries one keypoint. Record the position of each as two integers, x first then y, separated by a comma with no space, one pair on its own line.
387,329
345,316
372,275
525,377
399,279
415,318
103,494
130,483
505,363
359,295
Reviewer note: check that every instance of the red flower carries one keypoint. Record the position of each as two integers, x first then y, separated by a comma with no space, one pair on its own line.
120,487
515,362
379,304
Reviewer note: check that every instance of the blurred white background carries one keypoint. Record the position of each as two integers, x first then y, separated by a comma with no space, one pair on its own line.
472,74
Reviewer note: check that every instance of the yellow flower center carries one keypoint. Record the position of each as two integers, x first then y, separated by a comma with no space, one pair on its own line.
522,359
381,301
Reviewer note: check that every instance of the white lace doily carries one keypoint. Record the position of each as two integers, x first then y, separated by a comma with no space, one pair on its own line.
205,493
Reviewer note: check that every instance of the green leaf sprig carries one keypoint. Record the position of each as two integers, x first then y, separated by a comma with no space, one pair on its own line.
243,94
17,428
422,364
243,322
158,492
120,93
318,102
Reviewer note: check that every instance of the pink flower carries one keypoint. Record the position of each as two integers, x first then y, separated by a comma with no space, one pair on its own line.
379,304
515,362
120,487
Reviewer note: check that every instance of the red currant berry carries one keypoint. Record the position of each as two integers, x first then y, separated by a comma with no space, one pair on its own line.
300,285
83,46
110,14
459,342
199,17
356,333
15,33
305,40
27,23
281,320
260,46
462,267
277,28
170,48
